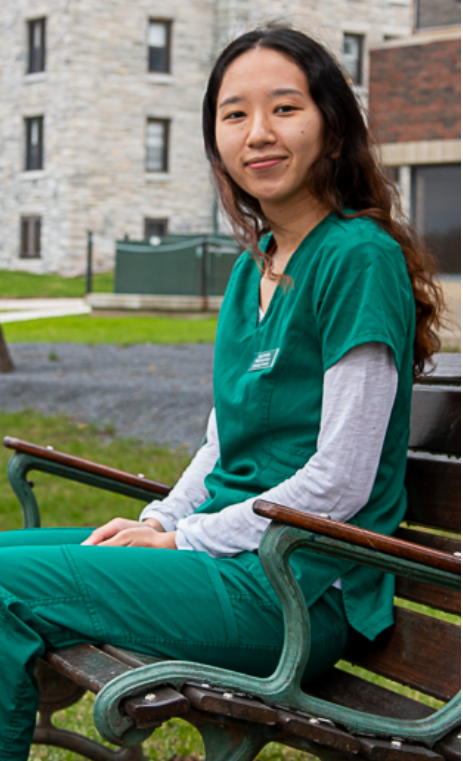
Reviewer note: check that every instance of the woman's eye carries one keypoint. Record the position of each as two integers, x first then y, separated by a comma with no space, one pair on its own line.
235,115
284,109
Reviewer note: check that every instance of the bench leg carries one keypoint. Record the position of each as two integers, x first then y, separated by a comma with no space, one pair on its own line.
62,738
232,742
57,692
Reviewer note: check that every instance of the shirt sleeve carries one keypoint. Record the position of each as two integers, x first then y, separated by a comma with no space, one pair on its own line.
190,491
363,294
358,396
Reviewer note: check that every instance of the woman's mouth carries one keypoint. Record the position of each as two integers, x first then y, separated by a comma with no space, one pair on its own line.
265,163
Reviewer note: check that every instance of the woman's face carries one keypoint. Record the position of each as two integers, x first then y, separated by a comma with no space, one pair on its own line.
269,131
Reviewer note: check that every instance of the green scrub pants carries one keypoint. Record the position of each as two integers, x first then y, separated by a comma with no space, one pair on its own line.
183,605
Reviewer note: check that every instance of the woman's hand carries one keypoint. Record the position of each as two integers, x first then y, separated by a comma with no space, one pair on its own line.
121,532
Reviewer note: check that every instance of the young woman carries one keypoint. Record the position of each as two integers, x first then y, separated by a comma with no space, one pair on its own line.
324,323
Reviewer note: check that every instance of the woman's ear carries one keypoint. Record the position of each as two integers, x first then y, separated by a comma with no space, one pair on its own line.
337,150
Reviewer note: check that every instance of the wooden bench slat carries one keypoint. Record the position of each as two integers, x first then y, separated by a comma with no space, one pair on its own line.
412,652
435,419
228,704
447,369
450,746
155,707
426,539
132,658
86,665
433,487
92,668
348,690
427,594
381,750
446,600
317,731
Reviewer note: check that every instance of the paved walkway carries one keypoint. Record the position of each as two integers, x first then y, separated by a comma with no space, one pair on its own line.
18,310
155,393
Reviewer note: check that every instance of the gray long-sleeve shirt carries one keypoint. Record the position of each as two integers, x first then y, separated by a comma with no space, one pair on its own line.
358,395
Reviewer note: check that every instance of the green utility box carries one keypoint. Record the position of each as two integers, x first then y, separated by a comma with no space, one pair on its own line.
181,265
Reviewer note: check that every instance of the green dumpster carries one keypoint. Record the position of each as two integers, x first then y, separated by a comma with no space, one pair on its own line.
180,265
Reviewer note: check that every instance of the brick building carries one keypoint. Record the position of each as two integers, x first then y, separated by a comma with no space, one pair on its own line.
100,112
415,115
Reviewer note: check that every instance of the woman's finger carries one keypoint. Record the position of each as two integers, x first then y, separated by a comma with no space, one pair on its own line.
106,531
130,538
142,538
118,540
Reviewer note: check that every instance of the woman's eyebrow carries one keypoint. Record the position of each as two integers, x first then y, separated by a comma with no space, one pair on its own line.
286,91
230,100
273,94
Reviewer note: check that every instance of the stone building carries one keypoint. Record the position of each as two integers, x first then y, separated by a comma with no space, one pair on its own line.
100,113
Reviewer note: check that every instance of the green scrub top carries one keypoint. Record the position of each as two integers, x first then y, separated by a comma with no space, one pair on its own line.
349,285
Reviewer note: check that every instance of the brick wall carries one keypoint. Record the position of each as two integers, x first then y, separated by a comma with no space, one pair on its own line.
415,92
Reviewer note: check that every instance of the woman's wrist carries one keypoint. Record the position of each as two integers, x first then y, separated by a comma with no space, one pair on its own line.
154,524
169,540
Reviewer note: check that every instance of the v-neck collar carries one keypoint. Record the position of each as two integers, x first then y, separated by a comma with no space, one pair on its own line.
294,257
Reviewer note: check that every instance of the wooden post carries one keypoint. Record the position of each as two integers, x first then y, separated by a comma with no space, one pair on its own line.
6,364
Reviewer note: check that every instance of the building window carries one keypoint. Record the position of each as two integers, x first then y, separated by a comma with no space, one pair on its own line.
33,143
157,145
436,204
30,237
352,56
159,34
36,45
430,14
155,228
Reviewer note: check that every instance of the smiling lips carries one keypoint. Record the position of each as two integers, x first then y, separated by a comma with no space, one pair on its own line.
265,162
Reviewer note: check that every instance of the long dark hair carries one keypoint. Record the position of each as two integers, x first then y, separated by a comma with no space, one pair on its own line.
345,175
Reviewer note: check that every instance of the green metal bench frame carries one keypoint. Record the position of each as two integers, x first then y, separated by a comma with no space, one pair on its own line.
226,737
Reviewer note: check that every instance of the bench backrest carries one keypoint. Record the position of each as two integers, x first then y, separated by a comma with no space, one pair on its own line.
422,651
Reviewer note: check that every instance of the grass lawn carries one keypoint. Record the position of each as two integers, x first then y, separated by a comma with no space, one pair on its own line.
133,329
25,285
64,503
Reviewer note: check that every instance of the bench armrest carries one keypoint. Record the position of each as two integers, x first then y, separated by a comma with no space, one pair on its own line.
33,457
366,547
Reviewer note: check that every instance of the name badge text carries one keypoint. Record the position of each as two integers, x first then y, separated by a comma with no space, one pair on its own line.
263,360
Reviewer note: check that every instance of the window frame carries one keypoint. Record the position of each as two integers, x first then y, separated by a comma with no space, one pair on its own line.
30,243
32,66
165,147
418,216
167,24
163,222
360,74
31,164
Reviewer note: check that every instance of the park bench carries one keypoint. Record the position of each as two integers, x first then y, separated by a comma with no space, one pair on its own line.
339,715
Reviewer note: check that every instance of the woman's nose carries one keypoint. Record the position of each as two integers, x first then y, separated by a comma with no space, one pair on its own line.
260,132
